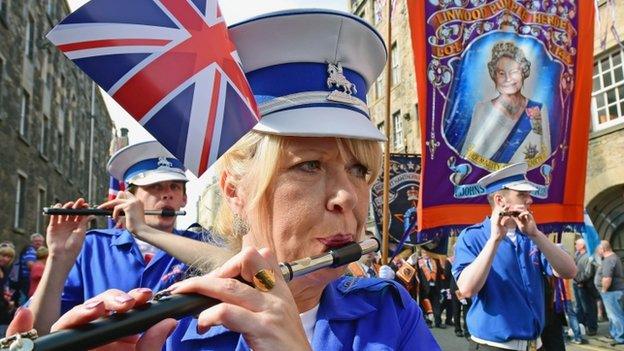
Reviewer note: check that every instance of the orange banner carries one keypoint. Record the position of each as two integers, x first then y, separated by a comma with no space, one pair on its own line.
456,50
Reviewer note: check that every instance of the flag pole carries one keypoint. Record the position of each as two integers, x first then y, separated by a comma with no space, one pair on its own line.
386,166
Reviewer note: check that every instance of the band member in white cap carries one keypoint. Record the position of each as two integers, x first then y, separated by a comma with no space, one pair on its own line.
297,186
500,262
81,266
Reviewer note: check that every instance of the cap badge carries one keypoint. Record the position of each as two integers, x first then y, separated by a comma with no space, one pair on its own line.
164,163
337,78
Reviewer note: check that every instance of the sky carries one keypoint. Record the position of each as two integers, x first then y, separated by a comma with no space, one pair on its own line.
234,11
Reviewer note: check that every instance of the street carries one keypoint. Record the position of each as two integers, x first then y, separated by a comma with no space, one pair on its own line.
449,342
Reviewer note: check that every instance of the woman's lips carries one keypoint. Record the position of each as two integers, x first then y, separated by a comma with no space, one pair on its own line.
336,240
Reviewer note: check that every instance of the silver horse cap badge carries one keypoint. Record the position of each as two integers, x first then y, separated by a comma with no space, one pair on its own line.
164,163
337,78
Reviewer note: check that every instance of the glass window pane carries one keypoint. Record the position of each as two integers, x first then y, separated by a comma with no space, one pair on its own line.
596,86
613,114
617,74
617,58
621,92
604,63
600,100
621,108
602,115
611,96
595,68
607,79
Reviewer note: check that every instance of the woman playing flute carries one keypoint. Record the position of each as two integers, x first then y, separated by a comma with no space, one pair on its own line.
296,186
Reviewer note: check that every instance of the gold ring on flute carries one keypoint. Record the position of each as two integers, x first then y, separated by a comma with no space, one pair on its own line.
264,280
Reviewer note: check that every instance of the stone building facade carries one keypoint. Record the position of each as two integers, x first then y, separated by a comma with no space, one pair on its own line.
604,188
404,129
47,106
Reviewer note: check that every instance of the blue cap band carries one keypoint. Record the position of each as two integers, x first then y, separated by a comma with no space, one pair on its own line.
500,184
152,164
290,78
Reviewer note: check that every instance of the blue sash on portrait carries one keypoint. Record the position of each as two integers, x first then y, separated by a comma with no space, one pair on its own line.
516,136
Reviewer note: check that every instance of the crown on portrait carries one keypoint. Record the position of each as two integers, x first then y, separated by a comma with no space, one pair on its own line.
412,194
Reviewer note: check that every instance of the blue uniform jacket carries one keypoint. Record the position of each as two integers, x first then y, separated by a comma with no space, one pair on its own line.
354,314
111,259
511,303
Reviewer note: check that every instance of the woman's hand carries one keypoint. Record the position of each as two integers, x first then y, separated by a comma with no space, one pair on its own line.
65,234
102,305
128,212
267,320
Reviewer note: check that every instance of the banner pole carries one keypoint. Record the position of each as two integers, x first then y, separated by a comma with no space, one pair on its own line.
386,170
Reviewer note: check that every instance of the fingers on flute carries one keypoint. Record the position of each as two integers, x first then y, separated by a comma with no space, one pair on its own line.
22,322
99,306
233,317
80,314
80,203
140,295
227,290
54,218
246,263
65,218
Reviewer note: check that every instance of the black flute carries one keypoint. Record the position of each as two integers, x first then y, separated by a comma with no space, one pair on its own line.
105,330
51,211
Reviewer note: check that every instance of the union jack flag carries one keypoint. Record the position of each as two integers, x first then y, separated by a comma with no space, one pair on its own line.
171,65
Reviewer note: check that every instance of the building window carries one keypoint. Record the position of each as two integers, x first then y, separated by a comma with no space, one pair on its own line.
396,62
4,10
50,8
60,129
397,123
608,90
71,141
24,114
379,91
45,127
361,14
59,149
20,201
50,80
379,11
41,203
29,48
1,78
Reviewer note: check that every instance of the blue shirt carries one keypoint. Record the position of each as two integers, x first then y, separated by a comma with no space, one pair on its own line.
354,314
29,255
510,305
111,259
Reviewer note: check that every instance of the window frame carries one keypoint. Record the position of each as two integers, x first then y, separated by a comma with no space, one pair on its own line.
24,114
617,87
29,38
396,64
5,6
398,135
379,86
2,73
20,200
41,203
44,135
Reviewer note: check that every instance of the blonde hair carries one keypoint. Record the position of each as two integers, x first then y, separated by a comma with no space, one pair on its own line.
6,250
42,252
252,164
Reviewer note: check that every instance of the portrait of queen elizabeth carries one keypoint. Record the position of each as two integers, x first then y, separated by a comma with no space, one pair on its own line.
510,127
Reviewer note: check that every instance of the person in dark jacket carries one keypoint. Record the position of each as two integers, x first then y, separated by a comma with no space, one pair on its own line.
584,289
